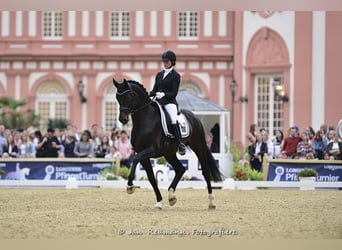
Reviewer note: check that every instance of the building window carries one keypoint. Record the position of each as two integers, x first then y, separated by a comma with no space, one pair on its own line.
269,109
51,103
110,117
119,24
52,24
191,87
188,24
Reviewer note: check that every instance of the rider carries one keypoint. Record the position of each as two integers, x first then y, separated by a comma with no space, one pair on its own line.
165,90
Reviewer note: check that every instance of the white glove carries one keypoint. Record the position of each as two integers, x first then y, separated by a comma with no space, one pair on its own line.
160,95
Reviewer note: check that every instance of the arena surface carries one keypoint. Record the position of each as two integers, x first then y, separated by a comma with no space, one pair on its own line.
99,213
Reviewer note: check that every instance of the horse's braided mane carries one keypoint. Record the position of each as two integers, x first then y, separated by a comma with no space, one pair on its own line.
139,85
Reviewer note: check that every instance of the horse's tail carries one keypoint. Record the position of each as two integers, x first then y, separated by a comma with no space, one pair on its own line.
215,173
208,163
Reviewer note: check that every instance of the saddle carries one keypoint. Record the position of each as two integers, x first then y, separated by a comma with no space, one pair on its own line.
182,122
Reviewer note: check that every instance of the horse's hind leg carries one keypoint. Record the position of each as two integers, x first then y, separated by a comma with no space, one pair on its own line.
150,175
179,170
202,157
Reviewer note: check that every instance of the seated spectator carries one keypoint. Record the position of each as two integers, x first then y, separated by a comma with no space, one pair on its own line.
318,146
334,148
304,147
85,147
113,153
26,147
10,147
103,148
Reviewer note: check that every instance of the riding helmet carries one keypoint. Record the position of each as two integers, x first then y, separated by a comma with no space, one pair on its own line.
169,55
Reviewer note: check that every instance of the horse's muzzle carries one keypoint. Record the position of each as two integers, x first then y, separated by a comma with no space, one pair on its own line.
123,118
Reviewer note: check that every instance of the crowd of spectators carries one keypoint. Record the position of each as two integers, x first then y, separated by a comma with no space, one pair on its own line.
66,143
323,144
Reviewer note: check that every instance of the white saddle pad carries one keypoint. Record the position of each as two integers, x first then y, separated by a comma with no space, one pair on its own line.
182,122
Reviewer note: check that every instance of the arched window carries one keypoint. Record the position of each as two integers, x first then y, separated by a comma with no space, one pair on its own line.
191,87
51,102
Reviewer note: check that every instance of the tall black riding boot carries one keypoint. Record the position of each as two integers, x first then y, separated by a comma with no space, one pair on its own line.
177,134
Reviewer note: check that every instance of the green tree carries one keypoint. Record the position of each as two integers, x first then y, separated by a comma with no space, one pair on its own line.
12,117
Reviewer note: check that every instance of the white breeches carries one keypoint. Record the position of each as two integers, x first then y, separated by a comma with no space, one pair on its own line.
172,110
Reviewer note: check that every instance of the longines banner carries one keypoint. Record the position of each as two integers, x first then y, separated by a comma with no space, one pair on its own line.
56,170
280,171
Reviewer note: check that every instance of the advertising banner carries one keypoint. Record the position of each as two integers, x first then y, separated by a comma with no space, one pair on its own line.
280,171
57,170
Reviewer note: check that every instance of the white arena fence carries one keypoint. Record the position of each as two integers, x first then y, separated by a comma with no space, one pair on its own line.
77,173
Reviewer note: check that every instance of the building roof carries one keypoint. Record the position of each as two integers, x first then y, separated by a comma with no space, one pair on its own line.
191,101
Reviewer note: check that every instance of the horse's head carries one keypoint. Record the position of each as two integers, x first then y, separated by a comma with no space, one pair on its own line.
124,96
131,96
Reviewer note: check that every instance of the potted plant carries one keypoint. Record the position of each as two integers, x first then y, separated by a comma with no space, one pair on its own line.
307,172
161,161
2,173
307,177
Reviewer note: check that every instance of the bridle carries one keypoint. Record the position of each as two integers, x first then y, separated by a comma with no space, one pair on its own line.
129,109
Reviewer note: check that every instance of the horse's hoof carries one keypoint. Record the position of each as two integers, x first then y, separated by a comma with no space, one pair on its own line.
158,205
130,189
172,201
212,207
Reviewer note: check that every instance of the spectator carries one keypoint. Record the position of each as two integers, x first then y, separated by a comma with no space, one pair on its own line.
334,148
10,148
85,147
215,145
2,138
265,138
26,147
256,152
244,161
69,144
103,148
304,147
114,136
277,143
39,144
125,148
51,144
318,146
291,142
251,134
113,153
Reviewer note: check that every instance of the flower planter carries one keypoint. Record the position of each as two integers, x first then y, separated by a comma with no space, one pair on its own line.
307,183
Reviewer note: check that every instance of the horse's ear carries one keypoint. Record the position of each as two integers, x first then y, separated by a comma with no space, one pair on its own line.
124,80
116,84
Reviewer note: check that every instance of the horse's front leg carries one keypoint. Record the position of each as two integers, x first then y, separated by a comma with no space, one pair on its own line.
147,153
150,175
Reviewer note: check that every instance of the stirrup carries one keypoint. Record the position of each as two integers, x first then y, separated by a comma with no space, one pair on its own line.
181,149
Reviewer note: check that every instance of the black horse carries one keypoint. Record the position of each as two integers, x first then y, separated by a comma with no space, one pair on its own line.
149,140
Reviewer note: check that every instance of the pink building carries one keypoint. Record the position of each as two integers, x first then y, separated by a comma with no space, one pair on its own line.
43,56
